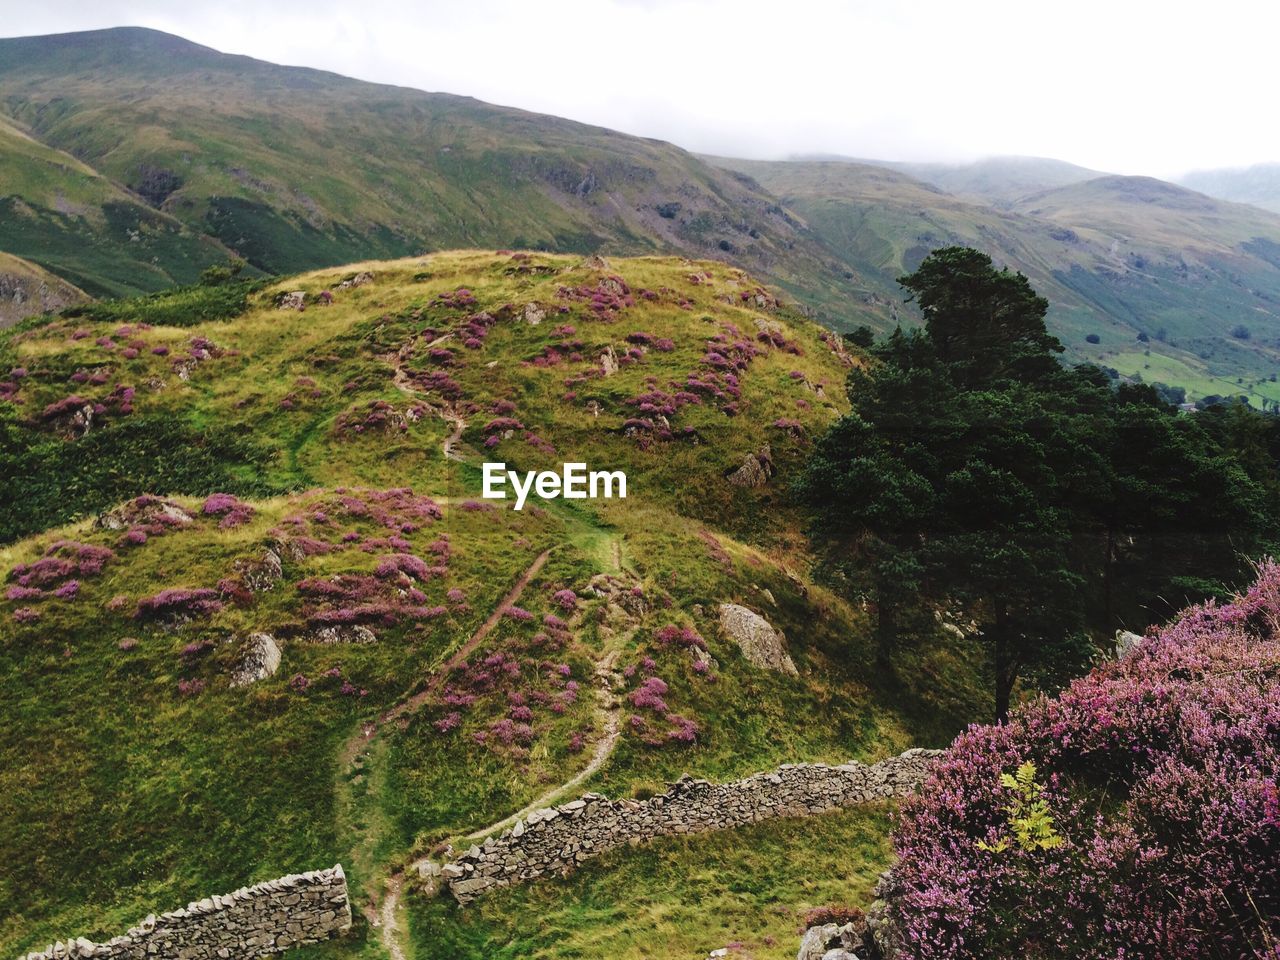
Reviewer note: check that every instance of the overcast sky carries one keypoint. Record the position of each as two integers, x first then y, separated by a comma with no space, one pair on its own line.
1124,86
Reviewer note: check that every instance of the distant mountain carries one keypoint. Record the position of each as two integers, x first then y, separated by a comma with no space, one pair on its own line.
1258,185
996,180
1177,287
295,168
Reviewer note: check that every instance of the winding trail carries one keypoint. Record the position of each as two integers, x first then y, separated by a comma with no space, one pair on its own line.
448,413
383,914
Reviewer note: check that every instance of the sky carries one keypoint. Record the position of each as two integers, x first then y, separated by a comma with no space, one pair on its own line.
1122,86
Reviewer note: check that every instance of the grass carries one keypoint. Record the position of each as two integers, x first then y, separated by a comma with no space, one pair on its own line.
675,897
181,795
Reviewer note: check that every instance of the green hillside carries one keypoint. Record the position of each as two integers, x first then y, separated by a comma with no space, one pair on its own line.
1177,287
61,214
169,447
296,168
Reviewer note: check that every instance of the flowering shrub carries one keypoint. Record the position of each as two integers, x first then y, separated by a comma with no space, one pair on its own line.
233,511
58,572
179,603
1136,815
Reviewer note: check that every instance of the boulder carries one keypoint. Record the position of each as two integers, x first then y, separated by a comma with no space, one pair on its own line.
261,573
534,314
295,300
259,659
759,642
755,471
829,941
608,362
1126,643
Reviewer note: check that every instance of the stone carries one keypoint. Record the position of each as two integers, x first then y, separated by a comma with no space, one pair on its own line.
1127,643
259,659
829,941
340,633
262,573
534,314
296,300
755,470
759,642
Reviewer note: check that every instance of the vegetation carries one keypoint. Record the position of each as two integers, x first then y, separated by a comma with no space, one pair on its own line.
977,471
1152,829
218,435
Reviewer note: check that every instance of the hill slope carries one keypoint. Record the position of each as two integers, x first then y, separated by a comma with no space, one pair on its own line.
27,289
1258,185
349,528
1120,258
297,168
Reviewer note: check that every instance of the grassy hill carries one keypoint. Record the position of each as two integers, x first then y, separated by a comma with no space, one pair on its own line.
296,168
1177,287
170,446
58,212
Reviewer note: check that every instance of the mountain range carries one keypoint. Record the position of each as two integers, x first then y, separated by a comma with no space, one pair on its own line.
131,159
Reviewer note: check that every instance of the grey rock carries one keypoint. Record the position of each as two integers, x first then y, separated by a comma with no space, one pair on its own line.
758,640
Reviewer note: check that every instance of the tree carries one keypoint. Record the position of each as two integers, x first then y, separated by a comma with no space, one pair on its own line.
974,468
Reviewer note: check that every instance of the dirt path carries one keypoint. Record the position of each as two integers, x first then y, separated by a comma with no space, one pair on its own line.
609,710
382,914
448,413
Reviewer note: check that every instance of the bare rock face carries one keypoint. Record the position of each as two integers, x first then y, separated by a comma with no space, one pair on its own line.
759,642
296,300
259,659
756,469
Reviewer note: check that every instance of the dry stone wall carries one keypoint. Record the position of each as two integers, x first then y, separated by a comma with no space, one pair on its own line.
252,922
557,839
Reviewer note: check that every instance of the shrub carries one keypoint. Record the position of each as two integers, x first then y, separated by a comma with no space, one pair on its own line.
1135,815
1092,338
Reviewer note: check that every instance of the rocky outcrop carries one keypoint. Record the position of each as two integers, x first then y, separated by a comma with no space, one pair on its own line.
558,839
534,314
261,573
759,641
882,933
256,921
145,511
830,941
755,470
340,633
259,659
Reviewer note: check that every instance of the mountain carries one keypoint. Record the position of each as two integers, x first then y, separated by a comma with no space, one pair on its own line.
295,168
26,289
1258,185
57,211
997,180
300,461
1177,287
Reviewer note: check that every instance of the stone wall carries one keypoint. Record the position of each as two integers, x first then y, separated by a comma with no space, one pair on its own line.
252,922
557,839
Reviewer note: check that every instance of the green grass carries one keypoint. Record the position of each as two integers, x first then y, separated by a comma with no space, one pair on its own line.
181,796
675,897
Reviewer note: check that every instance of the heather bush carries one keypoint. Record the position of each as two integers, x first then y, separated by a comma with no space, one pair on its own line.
1136,815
